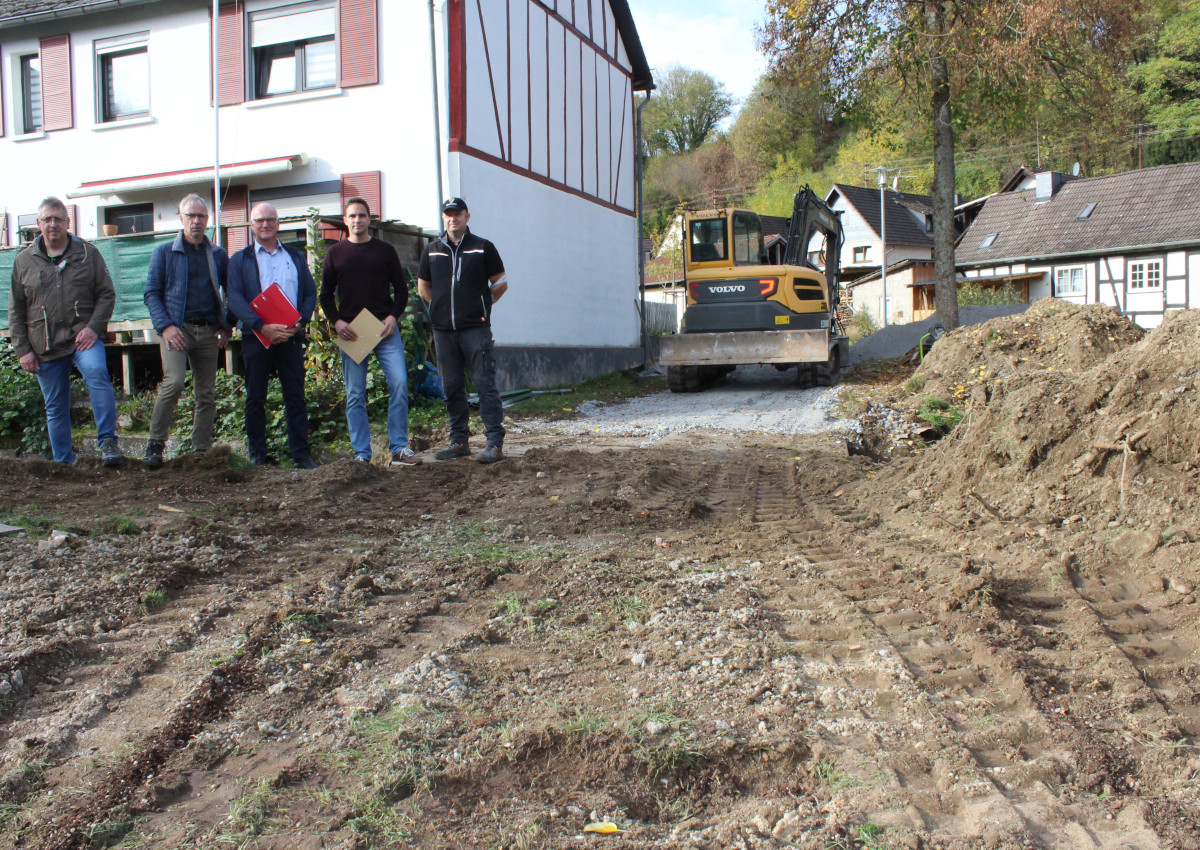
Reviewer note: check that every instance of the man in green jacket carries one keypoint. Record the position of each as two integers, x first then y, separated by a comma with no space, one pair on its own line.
62,298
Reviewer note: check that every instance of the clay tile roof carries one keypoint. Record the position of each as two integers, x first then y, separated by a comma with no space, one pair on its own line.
1134,210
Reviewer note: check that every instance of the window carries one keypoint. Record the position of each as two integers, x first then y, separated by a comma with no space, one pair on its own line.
122,77
1086,212
31,93
708,240
293,50
862,254
747,240
988,241
135,218
1145,275
1069,281
27,229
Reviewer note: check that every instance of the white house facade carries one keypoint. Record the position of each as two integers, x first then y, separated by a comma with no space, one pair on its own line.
1129,240
109,106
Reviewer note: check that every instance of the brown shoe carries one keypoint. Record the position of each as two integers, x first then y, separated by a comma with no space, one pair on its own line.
490,455
452,451
405,457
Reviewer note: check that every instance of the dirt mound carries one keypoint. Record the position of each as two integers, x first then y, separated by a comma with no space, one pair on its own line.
1071,415
973,363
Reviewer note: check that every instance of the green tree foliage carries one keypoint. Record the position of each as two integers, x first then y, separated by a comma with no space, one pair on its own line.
685,112
1167,84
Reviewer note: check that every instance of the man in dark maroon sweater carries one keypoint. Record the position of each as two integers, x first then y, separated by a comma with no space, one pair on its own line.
362,272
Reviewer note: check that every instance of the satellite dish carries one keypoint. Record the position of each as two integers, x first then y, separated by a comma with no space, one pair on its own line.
1075,170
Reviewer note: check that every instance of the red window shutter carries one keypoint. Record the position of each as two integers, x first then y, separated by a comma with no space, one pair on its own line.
358,50
58,107
73,218
367,185
235,210
231,63
1,135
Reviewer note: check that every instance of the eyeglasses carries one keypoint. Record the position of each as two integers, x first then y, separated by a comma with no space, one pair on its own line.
263,220
52,219
200,216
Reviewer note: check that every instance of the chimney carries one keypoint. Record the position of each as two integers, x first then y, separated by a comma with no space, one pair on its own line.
1048,182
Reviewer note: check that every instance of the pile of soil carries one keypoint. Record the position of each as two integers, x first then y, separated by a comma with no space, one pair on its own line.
1072,415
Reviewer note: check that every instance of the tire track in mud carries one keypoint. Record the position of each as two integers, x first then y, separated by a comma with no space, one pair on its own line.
218,693
993,744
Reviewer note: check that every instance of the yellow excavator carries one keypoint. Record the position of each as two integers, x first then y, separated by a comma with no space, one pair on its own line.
742,311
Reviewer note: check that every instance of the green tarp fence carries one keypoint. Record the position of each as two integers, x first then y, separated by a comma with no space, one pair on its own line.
127,257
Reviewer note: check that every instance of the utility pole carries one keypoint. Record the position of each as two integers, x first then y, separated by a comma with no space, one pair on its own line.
882,172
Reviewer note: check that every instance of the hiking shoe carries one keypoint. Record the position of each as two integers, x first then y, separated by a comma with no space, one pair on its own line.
111,452
154,453
306,463
490,455
405,457
361,459
452,451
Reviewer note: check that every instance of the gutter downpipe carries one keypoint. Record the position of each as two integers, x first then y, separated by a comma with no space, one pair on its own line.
437,128
216,28
640,252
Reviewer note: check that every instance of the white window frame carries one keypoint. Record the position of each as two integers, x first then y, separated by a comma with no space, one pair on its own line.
297,25
106,50
1145,275
27,229
865,251
1070,272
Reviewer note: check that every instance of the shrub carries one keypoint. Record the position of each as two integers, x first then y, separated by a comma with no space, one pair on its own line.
861,325
22,411
971,294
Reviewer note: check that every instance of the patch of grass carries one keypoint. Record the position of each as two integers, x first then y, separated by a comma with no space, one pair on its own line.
250,815
985,722
865,837
152,600
517,611
22,779
398,752
607,388
632,609
915,384
583,724
9,812
662,712
118,524
113,830
939,413
672,755
826,773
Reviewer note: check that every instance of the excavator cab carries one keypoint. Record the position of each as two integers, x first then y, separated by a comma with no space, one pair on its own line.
740,310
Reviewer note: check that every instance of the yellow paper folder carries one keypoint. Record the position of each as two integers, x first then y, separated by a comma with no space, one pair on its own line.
368,329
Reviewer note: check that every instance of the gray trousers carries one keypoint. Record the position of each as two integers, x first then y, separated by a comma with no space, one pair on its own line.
458,351
202,352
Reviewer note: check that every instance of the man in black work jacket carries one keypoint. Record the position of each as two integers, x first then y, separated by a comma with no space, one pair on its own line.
462,276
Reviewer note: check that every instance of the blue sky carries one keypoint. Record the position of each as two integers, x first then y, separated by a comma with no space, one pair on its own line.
714,36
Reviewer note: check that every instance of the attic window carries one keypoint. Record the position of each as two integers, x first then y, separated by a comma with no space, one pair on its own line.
988,241
1086,212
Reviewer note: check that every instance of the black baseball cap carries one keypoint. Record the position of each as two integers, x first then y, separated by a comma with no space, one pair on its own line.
454,205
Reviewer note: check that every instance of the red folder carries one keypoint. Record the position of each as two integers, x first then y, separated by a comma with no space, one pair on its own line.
274,308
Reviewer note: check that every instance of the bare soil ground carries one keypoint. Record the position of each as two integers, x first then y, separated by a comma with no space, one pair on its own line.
714,640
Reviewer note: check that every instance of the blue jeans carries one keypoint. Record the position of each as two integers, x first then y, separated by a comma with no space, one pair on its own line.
54,377
390,354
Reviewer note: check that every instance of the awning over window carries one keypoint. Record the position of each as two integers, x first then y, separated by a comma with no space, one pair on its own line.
189,176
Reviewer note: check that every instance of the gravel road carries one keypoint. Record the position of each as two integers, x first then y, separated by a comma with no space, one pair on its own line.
753,398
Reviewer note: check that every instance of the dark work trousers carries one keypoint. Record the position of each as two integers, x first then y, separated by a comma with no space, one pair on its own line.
287,360
458,351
